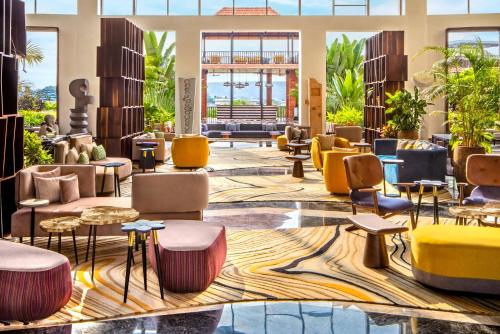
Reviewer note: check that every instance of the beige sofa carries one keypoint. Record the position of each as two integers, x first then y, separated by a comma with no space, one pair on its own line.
161,152
155,196
61,151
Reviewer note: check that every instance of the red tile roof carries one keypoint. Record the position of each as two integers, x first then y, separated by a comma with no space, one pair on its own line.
246,11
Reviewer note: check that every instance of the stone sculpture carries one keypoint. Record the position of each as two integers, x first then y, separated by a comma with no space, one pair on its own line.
187,95
79,89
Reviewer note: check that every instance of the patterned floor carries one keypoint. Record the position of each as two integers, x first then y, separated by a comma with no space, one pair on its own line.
321,263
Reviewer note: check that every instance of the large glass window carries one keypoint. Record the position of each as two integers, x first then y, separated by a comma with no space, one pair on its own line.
386,7
151,7
445,7
63,7
37,88
317,7
183,7
349,7
489,38
116,7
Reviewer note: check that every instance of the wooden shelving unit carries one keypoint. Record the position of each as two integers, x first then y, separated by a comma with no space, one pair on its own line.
12,46
385,71
120,66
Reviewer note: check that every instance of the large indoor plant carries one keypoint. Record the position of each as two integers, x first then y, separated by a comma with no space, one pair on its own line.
407,112
468,77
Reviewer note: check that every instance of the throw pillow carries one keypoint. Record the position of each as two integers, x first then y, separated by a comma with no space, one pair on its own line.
98,153
406,144
87,148
53,173
83,158
296,133
231,127
69,190
342,142
326,142
49,188
72,157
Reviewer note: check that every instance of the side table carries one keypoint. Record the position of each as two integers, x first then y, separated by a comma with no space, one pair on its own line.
363,147
104,215
398,162
435,185
116,177
33,204
298,168
59,226
142,228
147,159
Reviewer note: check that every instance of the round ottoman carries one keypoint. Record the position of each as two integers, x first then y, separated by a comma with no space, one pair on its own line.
282,141
34,283
458,258
192,254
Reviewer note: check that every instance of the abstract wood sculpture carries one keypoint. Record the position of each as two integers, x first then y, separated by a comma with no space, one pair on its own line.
315,100
79,89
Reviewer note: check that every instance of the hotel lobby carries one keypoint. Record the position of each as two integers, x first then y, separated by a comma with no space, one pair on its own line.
265,166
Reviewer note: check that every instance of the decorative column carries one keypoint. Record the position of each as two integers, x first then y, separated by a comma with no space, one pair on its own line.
291,101
204,99
269,89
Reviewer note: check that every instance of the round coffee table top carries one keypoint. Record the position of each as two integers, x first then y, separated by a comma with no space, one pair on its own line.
34,203
298,157
294,145
111,164
143,226
471,211
107,215
60,225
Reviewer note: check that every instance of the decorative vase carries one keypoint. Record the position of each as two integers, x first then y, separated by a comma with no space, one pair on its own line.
408,134
460,155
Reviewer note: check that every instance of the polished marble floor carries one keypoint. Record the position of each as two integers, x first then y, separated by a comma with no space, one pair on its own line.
274,317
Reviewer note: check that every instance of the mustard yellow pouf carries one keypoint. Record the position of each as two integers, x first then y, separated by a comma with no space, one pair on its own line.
190,152
458,258
282,141
334,173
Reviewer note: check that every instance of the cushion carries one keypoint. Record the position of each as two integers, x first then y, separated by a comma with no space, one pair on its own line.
204,128
83,158
72,157
53,173
342,142
98,153
231,127
326,142
87,148
69,189
270,127
49,188
405,144
296,133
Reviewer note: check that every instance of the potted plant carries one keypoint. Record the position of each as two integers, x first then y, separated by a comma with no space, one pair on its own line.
348,116
407,112
468,77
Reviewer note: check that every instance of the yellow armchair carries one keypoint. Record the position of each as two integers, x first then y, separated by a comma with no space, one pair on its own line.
317,154
190,152
334,173
282,142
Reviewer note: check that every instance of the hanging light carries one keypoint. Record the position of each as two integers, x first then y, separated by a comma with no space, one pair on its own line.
227,84
258,84
240,85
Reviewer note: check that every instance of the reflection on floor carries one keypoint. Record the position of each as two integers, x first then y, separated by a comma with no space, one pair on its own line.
274,317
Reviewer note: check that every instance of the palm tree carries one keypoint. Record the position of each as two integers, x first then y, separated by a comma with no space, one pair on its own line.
34,54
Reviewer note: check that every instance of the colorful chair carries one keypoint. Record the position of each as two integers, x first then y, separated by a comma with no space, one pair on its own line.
190,152
317,153
334,173
364,174
458,258
482,171
282,142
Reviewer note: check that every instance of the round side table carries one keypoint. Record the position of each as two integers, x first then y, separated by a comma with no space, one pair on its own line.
104,215
33,204
464,213
116,177
59,226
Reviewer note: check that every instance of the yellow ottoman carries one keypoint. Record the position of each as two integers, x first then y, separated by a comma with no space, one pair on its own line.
282,141
190,152
334,173
458,258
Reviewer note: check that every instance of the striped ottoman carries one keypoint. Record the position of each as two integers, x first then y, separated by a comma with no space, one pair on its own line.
34,283
191,253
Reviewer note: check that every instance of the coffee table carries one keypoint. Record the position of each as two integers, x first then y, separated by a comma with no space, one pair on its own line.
104,215
59,226
363,147
297,147
298,168
33,204
138,231
435,185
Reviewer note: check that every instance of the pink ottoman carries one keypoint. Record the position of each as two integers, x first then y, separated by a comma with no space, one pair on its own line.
34,283
192,254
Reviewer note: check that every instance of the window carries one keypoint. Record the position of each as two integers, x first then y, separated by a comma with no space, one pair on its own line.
62,7
183,7
284,7
151,7
386,7
349,7
116,7
317,7
38,81
447,7
489,38
212,7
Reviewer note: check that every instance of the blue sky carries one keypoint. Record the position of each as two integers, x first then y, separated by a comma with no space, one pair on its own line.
44,74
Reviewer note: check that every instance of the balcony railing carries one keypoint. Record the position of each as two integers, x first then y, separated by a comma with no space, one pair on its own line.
250,57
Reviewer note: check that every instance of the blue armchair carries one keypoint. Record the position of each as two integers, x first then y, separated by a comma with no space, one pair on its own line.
427,163
483,172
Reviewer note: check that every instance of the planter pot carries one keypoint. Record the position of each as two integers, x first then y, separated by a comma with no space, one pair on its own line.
408,134
460,155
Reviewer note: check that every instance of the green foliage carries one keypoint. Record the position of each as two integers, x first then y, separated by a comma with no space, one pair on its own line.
159,85
389,131
330,117
241,102
49,105
344,67
407,110
468,76
348,116
34,54
28,98
35,118
34,153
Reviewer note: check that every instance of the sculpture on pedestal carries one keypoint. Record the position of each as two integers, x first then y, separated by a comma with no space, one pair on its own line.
79,89
187,96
